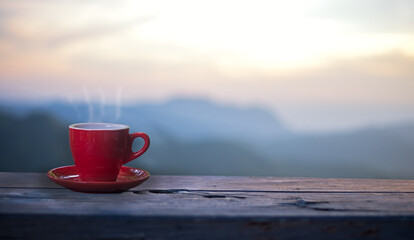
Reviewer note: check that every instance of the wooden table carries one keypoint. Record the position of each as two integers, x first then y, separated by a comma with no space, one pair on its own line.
207,207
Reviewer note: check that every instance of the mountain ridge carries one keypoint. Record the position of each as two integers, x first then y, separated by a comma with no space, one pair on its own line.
184,141
184,118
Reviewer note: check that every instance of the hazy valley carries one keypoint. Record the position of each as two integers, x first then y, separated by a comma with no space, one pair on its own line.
198,137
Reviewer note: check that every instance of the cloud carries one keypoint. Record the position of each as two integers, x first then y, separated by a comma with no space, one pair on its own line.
371,15
36,25
383,79
96,31
346,93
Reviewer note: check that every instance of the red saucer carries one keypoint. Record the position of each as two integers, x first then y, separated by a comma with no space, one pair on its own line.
68,177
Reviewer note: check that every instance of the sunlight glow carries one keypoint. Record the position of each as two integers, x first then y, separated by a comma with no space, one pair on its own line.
283,54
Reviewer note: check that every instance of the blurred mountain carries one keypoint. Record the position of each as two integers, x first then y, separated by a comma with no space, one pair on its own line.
184,119
197,137
36,142
376,152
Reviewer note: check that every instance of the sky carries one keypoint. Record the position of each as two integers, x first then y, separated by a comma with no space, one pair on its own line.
319,65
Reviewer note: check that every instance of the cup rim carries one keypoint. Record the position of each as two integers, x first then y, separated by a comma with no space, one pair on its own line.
77,126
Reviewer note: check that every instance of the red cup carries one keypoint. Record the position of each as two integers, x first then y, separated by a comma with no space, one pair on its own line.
100,149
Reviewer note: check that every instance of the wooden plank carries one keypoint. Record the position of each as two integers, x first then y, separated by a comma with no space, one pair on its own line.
207,207
25,180
125,227
206,203
278,184
39,180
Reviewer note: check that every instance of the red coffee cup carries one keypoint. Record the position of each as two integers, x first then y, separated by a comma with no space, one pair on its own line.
100,149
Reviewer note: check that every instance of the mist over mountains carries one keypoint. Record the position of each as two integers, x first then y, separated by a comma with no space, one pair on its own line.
183,119
199,137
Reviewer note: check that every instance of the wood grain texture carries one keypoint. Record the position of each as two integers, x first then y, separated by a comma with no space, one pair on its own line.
205,203
39,180
207,207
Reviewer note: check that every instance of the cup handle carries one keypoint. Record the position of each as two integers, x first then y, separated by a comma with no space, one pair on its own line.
132,154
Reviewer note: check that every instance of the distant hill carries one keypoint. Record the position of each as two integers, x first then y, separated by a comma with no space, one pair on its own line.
184,119
386,152
198,137
38,142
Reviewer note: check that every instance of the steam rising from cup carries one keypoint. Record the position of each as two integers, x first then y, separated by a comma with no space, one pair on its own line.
118,103
104,111
70,100
88,102
101,105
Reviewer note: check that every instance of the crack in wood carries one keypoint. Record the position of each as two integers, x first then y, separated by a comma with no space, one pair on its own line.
166,191
220,196
302,203
201,193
